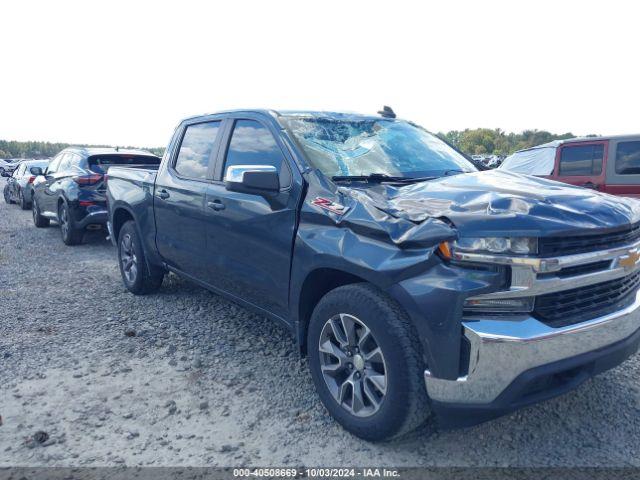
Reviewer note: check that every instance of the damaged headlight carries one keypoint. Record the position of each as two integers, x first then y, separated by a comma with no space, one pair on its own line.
493,245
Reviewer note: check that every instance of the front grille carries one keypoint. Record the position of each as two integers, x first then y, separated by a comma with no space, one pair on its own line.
555,246
578,270
567,307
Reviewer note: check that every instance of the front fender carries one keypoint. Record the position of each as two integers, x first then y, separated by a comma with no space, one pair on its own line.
429,290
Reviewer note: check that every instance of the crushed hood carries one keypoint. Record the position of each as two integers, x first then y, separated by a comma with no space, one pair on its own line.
485,203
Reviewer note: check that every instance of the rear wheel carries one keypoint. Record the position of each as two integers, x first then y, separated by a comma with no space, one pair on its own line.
24,205
366,363
70,235
38,220
137,276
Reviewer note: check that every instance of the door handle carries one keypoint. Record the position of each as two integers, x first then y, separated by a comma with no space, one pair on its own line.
217,205
591,185
163,194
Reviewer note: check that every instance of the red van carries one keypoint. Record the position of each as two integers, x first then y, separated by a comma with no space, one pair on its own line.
607,164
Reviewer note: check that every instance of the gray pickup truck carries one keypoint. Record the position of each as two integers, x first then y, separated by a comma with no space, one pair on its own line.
415,284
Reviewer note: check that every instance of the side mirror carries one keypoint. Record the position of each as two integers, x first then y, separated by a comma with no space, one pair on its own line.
36,171
254,179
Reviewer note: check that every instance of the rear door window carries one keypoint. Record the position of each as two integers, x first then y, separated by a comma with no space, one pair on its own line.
581,160
196,148
628,158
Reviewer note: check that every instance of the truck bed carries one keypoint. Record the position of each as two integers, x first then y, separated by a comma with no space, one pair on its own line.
133,186
140,175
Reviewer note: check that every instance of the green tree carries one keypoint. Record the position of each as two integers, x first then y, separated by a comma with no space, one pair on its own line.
497,142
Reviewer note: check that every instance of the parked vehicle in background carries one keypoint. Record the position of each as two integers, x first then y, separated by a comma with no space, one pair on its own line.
414,283
8,166
607,164
487,161
71,190
19,187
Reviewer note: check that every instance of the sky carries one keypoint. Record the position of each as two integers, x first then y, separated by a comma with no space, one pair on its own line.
126,72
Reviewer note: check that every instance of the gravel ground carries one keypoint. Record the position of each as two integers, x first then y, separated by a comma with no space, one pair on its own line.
185,377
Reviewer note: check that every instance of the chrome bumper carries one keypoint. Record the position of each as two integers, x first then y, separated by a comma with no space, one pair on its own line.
503,349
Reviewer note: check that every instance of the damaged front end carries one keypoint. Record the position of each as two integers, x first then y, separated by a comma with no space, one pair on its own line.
510,281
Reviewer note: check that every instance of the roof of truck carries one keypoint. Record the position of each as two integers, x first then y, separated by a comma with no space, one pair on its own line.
301,113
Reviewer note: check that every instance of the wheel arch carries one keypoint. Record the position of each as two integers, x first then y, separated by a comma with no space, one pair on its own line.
316,285
120,214
119,217
61,200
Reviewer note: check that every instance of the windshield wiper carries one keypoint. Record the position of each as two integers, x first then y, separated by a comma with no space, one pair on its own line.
446,173
379,178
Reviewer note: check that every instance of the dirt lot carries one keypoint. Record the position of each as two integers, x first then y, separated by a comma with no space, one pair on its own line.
185,377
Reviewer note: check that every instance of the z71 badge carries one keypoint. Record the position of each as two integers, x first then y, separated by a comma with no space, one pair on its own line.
327,204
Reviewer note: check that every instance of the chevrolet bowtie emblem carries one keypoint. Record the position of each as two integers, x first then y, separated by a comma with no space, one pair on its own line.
629,260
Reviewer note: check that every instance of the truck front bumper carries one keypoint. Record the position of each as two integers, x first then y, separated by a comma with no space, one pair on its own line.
519,361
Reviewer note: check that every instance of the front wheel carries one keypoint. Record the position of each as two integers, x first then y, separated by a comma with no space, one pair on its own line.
366,363
137,276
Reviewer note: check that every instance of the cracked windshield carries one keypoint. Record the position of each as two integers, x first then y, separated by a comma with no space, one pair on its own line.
344,148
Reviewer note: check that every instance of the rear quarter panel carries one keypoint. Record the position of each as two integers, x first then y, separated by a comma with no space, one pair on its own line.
131,189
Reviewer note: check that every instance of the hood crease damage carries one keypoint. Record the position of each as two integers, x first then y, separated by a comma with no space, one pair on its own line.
490,203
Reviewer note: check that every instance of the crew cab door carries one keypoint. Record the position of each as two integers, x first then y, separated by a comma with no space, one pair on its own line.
250,236
582,164
179,196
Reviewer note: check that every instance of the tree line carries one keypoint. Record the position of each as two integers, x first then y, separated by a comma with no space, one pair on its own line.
472,142
497,142
34,149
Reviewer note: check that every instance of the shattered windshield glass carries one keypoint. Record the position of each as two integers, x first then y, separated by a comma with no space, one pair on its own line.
365,146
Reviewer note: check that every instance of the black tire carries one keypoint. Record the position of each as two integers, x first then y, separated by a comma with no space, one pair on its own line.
404,405
139,277
7,195
38,220
70,235
24,205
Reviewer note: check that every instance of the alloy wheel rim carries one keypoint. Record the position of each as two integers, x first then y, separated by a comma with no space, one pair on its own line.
64,224
352,365
128,258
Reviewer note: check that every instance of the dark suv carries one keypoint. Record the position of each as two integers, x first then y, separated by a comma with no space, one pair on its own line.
71,190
